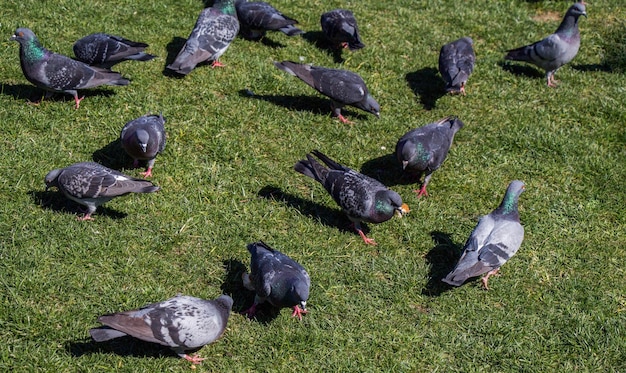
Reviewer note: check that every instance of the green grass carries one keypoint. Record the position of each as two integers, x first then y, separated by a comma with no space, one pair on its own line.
227,180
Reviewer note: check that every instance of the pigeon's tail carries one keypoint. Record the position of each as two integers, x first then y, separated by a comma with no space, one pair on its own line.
311,168
356,44
148,189
453,280
329,162
290,30
105,333
186,60
141,56
519,54
302,71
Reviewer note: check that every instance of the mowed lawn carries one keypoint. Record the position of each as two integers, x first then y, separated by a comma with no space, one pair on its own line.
234,134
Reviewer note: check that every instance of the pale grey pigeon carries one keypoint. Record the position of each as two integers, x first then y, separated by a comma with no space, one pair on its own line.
57,73
340,28
257,17
276,278
456,63
423,150
496,238
557,49
91,184
215,29
183,323
143,138
361,197
343,87
105,50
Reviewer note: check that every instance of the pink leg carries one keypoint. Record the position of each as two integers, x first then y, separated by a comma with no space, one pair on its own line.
217,63
421,192
148,173
87,216
343,119
462,90
485,279
78,100
195,359
250,312
298,312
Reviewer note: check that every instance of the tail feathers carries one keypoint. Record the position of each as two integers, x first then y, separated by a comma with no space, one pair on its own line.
148,189
104,76
105,333
355,45
187,60
300,70
291,30
287,66
329,162
453,280
518,54
312,168
141,57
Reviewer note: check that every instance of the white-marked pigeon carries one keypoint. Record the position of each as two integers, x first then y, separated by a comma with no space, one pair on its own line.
57,73
340,28
341,86
91,184
106,50
423,150
362,198
257,17
143,138
215,29
557,49
496,238
276,278
456,63
183,323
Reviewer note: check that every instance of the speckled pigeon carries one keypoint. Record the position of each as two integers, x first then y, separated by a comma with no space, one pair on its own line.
106,50
341,86
257,17
57,73
143,138
456,63
340,28
496,238
557,49
215,29
91,184
183,323
423,150
362,198
276,278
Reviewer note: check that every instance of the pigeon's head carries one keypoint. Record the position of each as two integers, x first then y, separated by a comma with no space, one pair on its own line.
387,204
468,40
225,301
52,178
578,9
371,106
23,35
299,294
142,138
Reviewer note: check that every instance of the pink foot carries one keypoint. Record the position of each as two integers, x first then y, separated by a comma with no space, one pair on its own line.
368,241
148,173
343,119
195,359
85,217
421,192
217,63
485,279
462,89
78,100
250,312
298,312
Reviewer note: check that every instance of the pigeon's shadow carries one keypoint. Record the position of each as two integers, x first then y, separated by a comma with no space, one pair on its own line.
385,169
593,67
319,40
123,346
521,70
263,40
112,155
35,95
208,3
441,260
427,85
55,201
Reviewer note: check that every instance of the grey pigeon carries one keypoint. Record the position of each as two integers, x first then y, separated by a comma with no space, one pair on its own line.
57,73
362,198
423,150
496,238
91,184
143,138
106,50
183,323
343,87
340,28
276,278
257,17
456,63
557,49
215,29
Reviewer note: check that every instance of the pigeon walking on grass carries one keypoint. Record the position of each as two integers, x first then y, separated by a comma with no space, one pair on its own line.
496,238
557,49
91,184
456,63
340,28
183,323
257,17
362,198
106,50
276,278
57,73
143,138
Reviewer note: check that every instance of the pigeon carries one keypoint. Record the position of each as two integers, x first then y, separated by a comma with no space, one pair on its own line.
106,50
341,86
496,238
557,49
277,278
91,184
143,138
57,73
456,63
362,198
183,323
215,29
423,150
255,18
340,28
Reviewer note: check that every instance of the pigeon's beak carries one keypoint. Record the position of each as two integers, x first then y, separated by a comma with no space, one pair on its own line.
404,209
377,114
303,305
404,164
584,14
143,147
13,37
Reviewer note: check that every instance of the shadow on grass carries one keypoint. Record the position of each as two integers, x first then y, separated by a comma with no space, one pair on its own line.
112,155
55,201
123,346
385,169
319,40
427,85
521,70
34,95
441,260
593,67
263,40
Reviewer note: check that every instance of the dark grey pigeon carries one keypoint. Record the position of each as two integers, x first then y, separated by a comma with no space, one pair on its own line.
340,28
91,184
57,73
143,138
183,323
496,238
257,17
215,29
423,150
456,63
557,49
343,87
362,198
106,50
276,278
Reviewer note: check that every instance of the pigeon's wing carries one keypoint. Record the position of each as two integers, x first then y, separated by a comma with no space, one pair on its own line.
342,86
91,180
148,323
